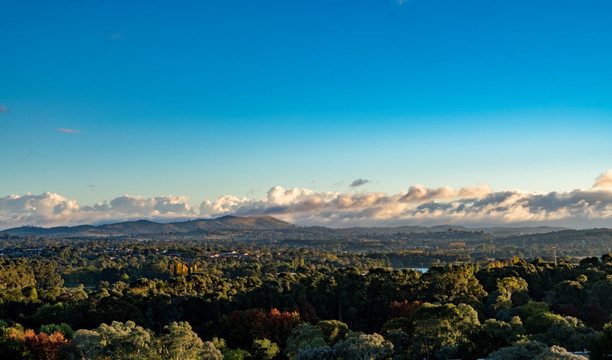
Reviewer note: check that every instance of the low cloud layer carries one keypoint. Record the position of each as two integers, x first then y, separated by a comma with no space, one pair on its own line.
49,209
419,205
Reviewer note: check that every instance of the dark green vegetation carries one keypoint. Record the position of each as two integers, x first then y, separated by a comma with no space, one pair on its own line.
269,294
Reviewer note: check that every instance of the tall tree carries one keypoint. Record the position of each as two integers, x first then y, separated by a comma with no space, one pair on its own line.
179,342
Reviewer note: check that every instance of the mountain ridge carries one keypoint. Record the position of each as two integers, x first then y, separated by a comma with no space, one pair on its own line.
249,223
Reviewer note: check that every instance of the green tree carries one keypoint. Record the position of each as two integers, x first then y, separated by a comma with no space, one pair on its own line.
559,353
568,332
496,334
601,293
316,353
63,328
601,346
453,284
443,328
264,349
179,342
120,341
46,275
210,352
509,289
236,354
364,347
333,330
533,350
536,317
302,336
128,341
86,344
568,292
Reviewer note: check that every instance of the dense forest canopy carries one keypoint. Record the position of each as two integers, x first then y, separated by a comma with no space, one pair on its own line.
235,297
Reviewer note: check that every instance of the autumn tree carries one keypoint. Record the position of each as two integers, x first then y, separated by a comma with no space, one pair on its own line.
42,346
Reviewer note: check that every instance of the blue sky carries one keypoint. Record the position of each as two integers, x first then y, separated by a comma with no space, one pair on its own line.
206,98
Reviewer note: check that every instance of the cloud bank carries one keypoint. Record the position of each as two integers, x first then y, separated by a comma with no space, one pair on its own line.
419,205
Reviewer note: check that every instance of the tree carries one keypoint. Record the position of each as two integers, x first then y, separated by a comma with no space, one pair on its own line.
568,292
533,350
180,343
236,354
528,350
209,352
453,284
62,328
46,275
11,341
244,326
601,292
403,309
264,349
122,341
127,340
349,293
559,353
333,330
401,343
443,328
398,323
568,332
86,344
536,317
302,336
279,325
496,334
43,346
364,347
316,353
601,346
509,288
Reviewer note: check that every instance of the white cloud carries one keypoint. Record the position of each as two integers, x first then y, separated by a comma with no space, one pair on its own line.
163,205
420,193
604,180
49,209
419,205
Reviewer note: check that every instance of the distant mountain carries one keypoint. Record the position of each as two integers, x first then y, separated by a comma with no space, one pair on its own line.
562,237
404,229
143,227
518,231
254,223
495,231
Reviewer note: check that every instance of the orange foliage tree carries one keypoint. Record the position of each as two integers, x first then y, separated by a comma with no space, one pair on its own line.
43,346
403,309
245,326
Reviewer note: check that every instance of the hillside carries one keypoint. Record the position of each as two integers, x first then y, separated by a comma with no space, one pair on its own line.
143,227
259,223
